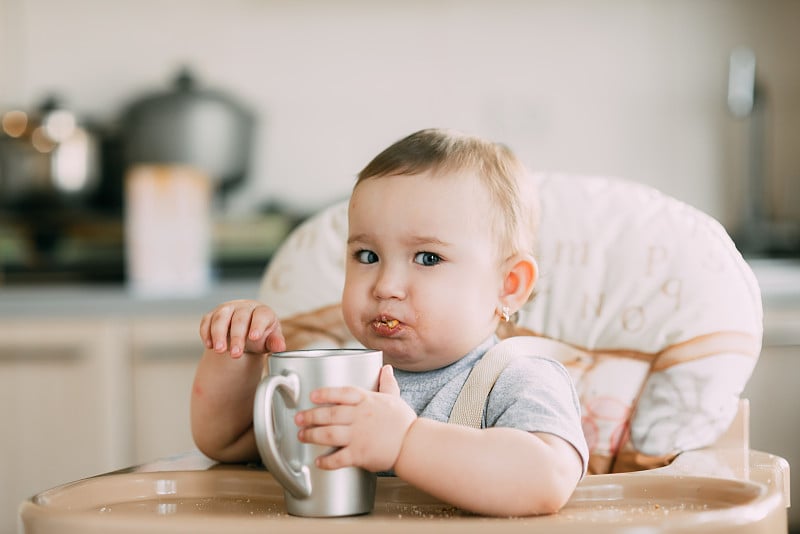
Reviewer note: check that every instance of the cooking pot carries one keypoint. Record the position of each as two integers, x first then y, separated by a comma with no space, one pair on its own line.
204,128
47,158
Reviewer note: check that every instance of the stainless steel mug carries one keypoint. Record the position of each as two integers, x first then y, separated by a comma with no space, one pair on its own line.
310,491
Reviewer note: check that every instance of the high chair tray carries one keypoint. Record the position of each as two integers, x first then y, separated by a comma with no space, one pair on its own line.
193,494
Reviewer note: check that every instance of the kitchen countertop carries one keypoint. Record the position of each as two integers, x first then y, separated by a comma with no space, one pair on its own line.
779,279
72,300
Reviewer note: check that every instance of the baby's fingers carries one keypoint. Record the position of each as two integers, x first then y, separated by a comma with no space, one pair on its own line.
341,395
265,331
340,458
326,415
263,319
330,436
205,331
239,329
218,324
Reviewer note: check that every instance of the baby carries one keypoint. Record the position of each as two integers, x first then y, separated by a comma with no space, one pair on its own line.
439,252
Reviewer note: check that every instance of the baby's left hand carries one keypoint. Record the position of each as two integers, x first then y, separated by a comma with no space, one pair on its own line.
369,427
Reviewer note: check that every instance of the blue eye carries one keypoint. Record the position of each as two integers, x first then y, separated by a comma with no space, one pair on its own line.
427,258
366,256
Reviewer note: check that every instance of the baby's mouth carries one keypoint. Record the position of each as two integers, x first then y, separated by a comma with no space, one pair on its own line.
391,324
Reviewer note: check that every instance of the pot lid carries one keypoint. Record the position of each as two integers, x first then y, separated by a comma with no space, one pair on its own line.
204,128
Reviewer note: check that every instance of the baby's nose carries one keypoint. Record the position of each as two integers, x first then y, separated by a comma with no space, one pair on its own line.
390,284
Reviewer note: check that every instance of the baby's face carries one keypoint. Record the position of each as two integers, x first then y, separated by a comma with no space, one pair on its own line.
423,278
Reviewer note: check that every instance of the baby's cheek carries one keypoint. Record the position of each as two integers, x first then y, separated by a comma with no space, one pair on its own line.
350,315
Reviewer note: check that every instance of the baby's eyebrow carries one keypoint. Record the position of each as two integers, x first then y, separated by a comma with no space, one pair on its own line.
419,241
356,238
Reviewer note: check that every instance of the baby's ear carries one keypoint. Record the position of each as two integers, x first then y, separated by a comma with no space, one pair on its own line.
521,274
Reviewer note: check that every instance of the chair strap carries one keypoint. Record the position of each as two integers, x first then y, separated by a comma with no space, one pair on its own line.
469,406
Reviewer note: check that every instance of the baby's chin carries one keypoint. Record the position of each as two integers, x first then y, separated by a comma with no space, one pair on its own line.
401,359
406,353
415,363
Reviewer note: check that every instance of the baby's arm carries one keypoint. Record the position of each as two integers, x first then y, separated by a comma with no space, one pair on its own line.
237,336
495,471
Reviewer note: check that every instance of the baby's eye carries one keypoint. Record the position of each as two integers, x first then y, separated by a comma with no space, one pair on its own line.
366,256
427,258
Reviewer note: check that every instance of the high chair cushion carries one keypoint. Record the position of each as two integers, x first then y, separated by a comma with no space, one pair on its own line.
646,300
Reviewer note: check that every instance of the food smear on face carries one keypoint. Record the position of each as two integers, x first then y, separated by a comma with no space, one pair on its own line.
386,326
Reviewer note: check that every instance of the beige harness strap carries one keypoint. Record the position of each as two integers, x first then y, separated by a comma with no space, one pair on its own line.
468,408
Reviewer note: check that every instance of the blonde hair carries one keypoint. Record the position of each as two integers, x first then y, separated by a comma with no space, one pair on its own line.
514,200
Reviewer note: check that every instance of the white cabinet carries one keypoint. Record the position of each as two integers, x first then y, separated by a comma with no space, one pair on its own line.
774,395
57,406
84,396
164,354
93,380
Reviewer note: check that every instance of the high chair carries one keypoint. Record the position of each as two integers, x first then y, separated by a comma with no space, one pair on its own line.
644,299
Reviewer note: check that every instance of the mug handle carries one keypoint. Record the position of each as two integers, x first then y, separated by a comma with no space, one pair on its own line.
297,482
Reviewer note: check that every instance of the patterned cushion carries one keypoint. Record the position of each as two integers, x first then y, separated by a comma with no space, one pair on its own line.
657,316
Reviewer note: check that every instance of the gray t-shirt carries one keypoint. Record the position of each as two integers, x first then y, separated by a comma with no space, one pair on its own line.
533,393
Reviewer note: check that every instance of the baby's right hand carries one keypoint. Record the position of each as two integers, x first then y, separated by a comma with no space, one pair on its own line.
245,325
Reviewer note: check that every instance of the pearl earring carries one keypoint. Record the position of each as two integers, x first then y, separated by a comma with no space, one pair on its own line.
505,314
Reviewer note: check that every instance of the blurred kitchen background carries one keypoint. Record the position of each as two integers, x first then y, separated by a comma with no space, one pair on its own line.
699,99
245,116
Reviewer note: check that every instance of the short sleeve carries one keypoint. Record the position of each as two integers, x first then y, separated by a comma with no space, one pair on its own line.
536,394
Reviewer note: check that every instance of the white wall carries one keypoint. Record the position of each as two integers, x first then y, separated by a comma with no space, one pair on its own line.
631,88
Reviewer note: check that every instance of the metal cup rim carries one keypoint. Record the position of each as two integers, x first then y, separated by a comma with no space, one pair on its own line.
322,353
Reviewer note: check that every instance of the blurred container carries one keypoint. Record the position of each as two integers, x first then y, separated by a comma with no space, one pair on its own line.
204,128
168,231
48,158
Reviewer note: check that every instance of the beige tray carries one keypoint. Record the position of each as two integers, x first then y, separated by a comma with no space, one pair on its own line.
194,495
